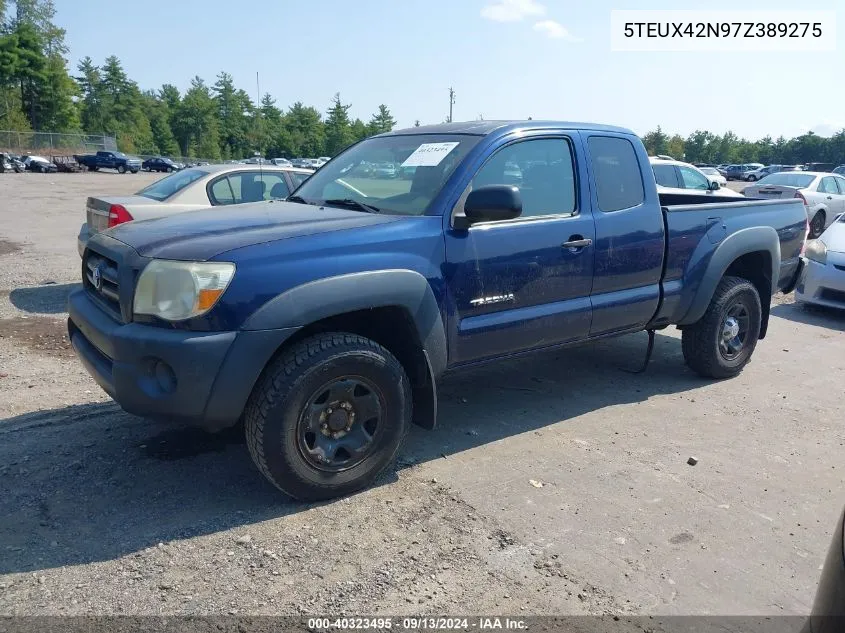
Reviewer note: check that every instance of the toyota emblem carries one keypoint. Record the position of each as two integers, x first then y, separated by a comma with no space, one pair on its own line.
97,278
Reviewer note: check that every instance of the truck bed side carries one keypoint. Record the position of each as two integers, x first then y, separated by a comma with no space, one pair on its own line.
757,239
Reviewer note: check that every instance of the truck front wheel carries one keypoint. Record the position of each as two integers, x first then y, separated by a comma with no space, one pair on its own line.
328,416
121,169
721,343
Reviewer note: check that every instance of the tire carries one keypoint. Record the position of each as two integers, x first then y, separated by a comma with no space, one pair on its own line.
817,224
703,343
170,170
134,171
752,178
305,378
121,169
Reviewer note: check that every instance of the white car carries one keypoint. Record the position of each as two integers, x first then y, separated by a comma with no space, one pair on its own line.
673,176
823,278
188,190
713,175
823,194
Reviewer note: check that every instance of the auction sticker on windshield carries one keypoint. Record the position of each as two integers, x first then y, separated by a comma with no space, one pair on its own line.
429,154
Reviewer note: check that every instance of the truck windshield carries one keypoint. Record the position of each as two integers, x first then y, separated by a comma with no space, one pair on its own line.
788,179
172,184
399,174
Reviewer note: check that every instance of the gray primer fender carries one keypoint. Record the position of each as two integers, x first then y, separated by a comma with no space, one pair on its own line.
758,238
332,296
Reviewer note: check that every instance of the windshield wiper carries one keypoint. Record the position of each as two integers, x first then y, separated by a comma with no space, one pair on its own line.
349,202
297,199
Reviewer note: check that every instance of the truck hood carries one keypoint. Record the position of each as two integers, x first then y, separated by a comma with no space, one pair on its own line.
201,235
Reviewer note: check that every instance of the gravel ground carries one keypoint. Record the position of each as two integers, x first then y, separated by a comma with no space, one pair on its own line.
553,485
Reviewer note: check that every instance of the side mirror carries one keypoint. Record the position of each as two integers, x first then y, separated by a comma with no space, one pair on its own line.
714,186
493,203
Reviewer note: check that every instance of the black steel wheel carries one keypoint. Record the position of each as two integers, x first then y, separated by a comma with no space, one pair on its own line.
339,424
817,224
328,416
721,343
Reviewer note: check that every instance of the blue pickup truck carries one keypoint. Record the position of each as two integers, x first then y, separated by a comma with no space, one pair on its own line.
324,322
109,160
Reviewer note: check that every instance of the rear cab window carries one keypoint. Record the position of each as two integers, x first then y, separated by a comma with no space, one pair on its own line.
616,172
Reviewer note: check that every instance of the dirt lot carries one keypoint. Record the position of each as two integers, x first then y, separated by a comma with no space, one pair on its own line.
108,513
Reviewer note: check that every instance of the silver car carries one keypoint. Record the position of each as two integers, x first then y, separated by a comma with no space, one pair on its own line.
823,194
823,278
188,190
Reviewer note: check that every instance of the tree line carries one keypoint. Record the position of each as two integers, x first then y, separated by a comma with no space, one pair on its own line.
705,147
217,120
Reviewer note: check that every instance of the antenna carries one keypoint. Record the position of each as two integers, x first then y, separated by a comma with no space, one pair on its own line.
451,102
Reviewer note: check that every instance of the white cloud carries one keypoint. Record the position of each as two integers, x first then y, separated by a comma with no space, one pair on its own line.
828,128
554,30
512,10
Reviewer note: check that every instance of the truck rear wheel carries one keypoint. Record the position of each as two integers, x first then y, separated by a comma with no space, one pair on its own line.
328,416
721,343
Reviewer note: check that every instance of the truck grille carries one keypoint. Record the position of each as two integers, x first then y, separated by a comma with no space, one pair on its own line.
101,281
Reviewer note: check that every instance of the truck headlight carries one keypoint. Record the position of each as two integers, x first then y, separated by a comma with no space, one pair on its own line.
175,291
816,250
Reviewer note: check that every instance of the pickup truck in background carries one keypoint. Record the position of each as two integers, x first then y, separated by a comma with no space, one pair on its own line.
325,322
109,160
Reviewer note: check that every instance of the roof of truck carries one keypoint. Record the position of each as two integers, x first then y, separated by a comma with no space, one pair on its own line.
483,128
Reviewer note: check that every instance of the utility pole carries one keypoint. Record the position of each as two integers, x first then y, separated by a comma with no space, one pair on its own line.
451,103
257,114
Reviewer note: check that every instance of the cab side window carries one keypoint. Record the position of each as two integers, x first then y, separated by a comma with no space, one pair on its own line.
616,170
543,169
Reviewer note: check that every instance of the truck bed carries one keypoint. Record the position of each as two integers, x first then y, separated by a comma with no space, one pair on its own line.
696,227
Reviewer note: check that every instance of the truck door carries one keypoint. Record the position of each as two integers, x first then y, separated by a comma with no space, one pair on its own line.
629,246
523,283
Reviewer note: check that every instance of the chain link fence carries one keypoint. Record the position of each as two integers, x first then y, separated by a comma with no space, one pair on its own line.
49,142
54,143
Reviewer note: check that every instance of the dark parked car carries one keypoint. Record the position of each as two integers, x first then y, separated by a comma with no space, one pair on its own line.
38,164
327,331
839,170
109,160
734,172
160,163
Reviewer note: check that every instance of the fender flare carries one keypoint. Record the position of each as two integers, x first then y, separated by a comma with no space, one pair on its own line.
743,242
331,296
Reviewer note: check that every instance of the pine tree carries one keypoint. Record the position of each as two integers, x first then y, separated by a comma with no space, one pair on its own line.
382,121
338,127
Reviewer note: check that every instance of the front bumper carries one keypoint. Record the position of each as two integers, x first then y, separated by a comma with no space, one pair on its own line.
823,284
201,378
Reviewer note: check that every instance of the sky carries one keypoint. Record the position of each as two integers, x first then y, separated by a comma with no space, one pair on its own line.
505,59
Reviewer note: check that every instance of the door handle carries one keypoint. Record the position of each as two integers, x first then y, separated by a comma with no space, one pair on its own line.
576,242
